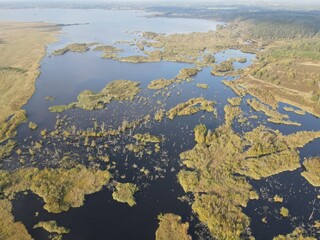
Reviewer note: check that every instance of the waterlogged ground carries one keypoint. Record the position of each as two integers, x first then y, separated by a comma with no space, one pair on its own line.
101,217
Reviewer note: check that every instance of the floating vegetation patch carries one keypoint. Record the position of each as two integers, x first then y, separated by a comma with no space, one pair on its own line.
284,212
50,98
51,227
124,193
33,126
190,107
9,229
159,115
114,91
160,83
223,68
59,188
213,164
171,227
110,52
187,73
299,233
203,85
147,138
74,47
312,171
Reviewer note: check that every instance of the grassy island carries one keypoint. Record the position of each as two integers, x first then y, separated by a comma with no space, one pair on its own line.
59,188
190,107
171,227
114,91
52,227
124,193
74,47
160,83
312,171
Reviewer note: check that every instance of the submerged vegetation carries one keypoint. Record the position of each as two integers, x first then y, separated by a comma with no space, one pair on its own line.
190,107
124,193
114,91
171,227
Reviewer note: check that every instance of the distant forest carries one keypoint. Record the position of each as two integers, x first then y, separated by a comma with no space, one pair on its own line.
267,23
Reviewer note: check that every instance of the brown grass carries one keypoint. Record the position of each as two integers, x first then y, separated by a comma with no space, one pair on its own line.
9,229
171,227
23,47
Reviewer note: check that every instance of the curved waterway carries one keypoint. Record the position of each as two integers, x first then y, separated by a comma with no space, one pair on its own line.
64,77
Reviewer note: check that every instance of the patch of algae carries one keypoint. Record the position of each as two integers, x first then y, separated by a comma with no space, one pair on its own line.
9,229
116,90
218,166
171,227
124,193
59,188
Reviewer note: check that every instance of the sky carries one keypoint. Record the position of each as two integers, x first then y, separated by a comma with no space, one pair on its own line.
211,1
172,2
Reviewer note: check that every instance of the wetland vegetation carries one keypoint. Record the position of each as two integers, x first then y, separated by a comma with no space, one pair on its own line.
131,141
74,47
124,193
117,90
211,166
172,227
190,107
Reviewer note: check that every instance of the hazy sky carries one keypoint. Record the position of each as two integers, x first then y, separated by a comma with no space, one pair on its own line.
291,2
212,1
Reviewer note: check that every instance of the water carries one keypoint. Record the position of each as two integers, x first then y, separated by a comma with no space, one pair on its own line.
66,76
